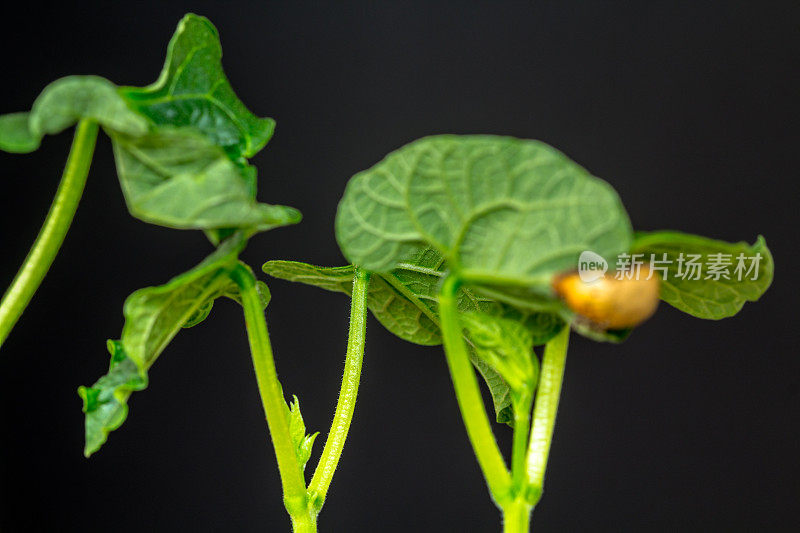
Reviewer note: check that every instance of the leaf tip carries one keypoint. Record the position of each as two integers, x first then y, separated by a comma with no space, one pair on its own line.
16,136
89,396
193,18
292,215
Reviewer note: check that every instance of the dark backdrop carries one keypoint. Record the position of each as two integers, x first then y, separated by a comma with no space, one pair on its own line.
689,109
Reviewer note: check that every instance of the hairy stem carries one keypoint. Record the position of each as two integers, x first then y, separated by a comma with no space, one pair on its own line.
544,411
473,412
54,229
305,522
318,488
294,486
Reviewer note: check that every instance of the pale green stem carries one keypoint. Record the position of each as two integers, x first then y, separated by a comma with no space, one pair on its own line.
294,486
517,516
522,420
305,521
544,411
54,229
318,488
473,412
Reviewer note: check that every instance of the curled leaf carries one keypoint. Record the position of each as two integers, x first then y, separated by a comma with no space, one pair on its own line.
106,402
745,271
153,316
16,135
61,105
193,91
181,144
177,178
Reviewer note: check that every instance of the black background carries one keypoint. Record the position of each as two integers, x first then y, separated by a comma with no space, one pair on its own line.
689,109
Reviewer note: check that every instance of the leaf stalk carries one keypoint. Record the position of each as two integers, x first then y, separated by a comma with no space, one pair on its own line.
318,488
54,230
544,411
473,412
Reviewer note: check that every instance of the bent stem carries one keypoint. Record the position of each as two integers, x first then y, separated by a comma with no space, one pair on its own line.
473,412
294,487
51,236
318,488
544,411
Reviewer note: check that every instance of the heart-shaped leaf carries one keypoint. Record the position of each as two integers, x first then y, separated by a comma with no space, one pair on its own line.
506,214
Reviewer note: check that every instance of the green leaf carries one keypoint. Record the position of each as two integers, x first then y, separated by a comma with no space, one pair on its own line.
70,99
498,389
16,135
507,347
199,122
405,302
173,177
506,214
297,429
180,144
153,316
334,279
199,315
105,402
61,105
394,310
231,291
193,91
711,296
177,178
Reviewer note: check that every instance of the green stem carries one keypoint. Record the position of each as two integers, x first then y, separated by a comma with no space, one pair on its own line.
522,421
544,411
473,412
294,486
305,522
517,516
54,229
318,488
